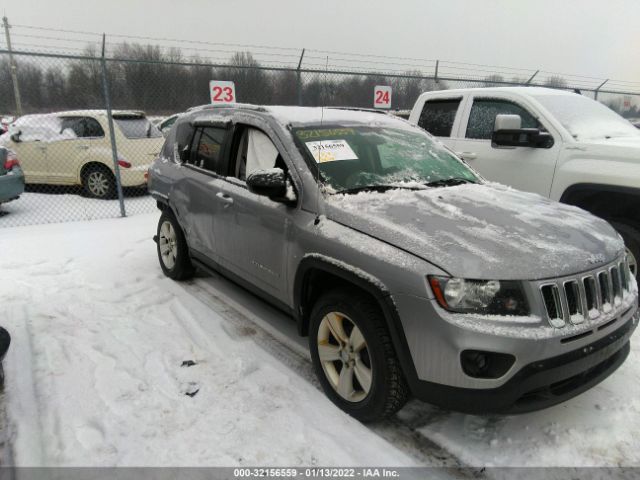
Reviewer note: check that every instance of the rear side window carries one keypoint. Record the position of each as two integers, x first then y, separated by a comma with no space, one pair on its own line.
137,127
82,127
438,115
206,152
483,117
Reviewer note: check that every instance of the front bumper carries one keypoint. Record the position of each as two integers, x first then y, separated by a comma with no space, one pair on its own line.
540,384
11,185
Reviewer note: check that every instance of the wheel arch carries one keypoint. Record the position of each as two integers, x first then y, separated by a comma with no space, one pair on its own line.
92,163
317,269
611,202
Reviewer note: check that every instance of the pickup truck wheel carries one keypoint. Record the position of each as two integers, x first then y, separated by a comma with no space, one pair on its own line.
631,238
98,182
173,251
354,358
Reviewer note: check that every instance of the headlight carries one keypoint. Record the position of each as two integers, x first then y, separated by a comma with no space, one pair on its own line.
489,297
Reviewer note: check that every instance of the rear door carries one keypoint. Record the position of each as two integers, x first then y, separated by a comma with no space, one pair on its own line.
195,194
440,117
525,168
252,229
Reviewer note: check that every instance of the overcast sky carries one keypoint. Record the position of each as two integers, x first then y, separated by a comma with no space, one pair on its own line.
587,37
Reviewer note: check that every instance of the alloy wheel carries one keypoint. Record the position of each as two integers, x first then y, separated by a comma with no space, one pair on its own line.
98,183
168,245
344,356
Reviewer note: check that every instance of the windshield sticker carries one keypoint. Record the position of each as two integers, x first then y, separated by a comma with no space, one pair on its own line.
331,150
324,132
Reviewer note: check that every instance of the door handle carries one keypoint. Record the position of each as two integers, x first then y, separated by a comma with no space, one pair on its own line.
467,155
83,147
225,198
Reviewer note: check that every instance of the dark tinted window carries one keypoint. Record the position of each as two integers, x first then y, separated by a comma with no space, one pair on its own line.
483,117
438,115
82,126
207,148
137,127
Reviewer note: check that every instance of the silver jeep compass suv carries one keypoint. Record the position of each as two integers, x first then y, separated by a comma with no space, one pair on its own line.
409,273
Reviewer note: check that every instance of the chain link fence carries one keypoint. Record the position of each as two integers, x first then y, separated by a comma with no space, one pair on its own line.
90,125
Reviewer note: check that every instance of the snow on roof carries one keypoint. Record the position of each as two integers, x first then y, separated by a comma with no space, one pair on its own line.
299,116
519,90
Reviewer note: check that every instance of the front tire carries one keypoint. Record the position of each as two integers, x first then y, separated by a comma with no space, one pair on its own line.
173,252
354,358
631,238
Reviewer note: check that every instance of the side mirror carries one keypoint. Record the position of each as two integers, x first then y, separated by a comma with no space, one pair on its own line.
271,183
15,137
508,132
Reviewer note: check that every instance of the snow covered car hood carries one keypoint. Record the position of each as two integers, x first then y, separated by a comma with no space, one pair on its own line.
482,231
625,149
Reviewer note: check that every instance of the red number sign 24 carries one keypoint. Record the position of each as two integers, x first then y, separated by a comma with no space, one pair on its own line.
382,97
218,94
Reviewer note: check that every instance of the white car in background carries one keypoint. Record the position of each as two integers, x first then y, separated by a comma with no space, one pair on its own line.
74,148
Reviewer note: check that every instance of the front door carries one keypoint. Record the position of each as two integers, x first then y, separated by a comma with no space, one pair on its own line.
525,168
251,230
32,155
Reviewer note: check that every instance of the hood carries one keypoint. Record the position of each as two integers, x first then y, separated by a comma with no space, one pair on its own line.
616,148
482,231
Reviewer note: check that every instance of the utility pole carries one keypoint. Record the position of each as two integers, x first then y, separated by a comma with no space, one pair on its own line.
12,67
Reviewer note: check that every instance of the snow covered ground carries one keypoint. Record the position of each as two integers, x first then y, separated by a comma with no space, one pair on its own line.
95,375
34,208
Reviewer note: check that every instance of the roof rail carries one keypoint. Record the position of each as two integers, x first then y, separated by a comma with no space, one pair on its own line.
359,109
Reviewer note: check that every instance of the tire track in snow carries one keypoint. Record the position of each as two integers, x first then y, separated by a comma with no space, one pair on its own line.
401,431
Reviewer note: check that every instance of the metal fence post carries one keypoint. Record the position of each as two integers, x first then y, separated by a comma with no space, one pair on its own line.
532,77
114,151
299,79
598,89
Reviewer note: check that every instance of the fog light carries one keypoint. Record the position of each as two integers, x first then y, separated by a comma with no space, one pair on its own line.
479,364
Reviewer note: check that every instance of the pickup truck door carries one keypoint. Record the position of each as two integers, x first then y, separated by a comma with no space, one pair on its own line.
525,168
441,116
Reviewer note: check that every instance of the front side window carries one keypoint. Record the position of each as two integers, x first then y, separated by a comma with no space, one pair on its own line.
256,151
371,156
483,117
437,116
135,126
207,148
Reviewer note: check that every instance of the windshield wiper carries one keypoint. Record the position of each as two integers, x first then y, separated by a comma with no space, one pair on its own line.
375,188
449,182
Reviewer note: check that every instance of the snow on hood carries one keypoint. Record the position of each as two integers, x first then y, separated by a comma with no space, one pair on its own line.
482,231
43,128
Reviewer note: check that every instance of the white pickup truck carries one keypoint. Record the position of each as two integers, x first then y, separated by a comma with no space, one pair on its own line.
559,144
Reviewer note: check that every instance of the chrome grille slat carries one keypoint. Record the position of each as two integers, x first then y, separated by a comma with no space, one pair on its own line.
573,300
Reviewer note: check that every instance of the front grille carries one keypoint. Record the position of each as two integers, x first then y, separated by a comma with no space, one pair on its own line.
574,300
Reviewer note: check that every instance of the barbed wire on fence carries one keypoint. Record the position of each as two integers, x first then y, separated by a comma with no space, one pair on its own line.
81,150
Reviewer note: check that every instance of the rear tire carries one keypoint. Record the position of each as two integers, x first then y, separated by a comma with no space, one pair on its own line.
359,370
173,252
98,181
631,238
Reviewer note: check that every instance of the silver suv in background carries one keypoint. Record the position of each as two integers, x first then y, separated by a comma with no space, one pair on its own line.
408,272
